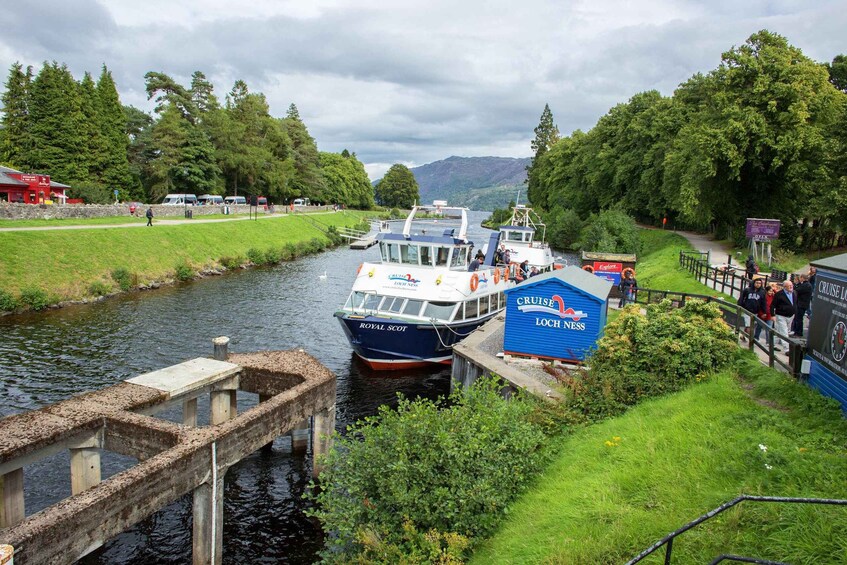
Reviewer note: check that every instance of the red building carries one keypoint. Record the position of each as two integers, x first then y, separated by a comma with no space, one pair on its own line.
26,188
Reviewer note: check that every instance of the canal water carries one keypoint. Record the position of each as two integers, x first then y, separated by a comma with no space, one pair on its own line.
50,356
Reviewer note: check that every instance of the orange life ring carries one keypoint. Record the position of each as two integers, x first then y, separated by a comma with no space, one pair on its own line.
496,276
588,268
506,274
474,282
359,270
630,269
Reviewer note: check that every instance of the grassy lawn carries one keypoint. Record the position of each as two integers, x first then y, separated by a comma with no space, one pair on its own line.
618,486
65,263
658,264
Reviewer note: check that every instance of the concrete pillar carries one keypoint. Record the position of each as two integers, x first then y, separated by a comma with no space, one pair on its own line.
265,398
189,412
221,345
12,498
322,440
208,512
221,406
300,436
85,469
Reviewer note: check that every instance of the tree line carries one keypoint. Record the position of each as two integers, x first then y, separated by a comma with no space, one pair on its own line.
80,134
762,136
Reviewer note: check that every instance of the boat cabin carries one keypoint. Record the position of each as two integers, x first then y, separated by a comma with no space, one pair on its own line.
425,251
517,234
375,304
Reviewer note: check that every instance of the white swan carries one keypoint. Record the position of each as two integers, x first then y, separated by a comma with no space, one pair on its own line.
323,276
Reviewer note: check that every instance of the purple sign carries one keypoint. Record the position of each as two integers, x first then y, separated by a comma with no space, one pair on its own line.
762,230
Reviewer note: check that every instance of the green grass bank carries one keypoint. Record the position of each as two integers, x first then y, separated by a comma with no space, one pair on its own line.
75,264
618,486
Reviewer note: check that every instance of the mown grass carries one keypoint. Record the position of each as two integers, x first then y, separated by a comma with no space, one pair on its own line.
658,264
65,263
620,485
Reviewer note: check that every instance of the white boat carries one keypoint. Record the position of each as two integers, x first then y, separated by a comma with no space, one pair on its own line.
519,237
411,307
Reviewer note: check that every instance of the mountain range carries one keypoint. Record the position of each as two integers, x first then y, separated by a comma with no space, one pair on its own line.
480,183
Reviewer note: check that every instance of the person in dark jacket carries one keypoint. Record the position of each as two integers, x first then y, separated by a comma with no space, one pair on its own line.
803,289
750,267
627,287
149,216
813,273
783,309
752,300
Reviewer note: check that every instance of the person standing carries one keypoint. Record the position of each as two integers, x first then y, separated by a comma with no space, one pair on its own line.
804,300
813,273
627,287
750,267
751,300
149,216
783,309
765,313
474,265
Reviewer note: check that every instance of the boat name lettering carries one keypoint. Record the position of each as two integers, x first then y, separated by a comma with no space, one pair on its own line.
382,327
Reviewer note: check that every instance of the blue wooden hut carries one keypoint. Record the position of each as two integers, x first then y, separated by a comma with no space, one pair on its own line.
827,342
557,315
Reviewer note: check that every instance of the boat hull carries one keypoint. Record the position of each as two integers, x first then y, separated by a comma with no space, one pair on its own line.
386,344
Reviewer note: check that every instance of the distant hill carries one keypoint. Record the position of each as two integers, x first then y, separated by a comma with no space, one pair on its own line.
480,183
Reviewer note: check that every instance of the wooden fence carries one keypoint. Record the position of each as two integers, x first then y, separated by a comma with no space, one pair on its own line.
727,278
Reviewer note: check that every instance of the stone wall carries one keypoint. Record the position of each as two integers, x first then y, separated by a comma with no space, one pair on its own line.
16,211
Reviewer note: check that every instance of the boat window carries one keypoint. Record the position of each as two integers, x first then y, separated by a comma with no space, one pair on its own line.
527,237
390,252
413,307
441,259
409,254
372,301
439,310
426,255
393,304
502,300
514,236
471,309
460,313
355,301
483,305
460,257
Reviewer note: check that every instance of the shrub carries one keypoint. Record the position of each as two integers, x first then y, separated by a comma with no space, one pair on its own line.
648,355
7,301
34,298
255,256
289,252
183,271
448,469
783,256
99,288
123,277
273,256
610,231
231,262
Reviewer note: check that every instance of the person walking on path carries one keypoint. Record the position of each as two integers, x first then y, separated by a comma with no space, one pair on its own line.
765,313
627,287
149,216
750,267
783,309
752,300
804,299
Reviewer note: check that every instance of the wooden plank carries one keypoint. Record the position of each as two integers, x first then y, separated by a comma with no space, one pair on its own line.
185,377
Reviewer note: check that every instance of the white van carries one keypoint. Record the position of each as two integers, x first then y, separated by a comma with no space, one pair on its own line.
235,200
210,200
180,200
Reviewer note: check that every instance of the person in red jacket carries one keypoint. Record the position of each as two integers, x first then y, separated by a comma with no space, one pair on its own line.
765,313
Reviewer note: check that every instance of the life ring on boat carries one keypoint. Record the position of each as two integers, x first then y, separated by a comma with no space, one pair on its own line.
628,270
496,276
474,282
588,268
359,270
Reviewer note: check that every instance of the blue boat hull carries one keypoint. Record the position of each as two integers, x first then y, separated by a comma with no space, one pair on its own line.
387,344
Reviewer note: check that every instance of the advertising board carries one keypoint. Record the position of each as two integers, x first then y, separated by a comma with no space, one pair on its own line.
828,330
762,230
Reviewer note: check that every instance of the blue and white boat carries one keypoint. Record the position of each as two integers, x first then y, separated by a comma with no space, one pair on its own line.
410,308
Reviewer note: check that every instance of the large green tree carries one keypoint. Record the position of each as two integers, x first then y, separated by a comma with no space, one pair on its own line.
16,141
346,180
115,172
546,135
398,188
307,181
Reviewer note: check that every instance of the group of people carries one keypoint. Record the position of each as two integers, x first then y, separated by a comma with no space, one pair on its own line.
783,309
502,257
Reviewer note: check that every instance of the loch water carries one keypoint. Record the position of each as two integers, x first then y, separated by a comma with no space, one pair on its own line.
48,357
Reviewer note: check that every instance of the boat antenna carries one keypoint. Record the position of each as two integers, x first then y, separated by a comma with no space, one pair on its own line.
518,198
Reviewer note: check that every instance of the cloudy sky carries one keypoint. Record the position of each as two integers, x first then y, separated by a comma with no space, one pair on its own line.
413,81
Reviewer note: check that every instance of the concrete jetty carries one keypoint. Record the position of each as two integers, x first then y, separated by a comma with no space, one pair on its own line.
174,459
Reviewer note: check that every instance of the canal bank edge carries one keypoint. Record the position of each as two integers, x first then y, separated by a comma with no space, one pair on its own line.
70,265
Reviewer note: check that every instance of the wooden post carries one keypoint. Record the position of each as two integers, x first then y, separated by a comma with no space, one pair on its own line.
85,469
208,512
300,436
221,346
189,412
220,406
322,437
12,498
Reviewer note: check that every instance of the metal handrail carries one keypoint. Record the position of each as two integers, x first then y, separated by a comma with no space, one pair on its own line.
668,539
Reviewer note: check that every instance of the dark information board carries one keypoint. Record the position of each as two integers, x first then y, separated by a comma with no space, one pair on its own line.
828,327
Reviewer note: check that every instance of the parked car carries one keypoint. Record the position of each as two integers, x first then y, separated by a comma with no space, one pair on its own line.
301,201
180,200
235,200
210,200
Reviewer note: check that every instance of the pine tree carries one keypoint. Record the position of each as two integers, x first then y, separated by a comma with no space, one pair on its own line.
57,125
16,144
115,172
546,133
308,181
96,145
